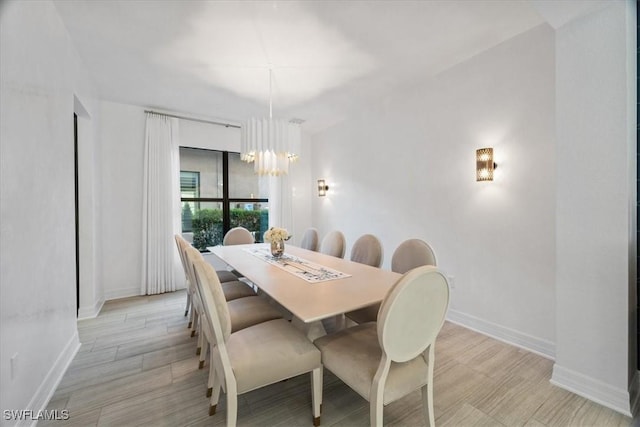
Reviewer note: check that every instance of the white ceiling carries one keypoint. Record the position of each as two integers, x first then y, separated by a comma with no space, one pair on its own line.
330,59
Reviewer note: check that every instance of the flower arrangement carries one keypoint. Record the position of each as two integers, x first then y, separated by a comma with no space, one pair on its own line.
276,234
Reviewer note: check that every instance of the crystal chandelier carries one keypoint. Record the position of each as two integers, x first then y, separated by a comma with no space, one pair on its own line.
269,143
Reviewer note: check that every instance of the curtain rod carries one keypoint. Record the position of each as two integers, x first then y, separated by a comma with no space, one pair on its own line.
227,125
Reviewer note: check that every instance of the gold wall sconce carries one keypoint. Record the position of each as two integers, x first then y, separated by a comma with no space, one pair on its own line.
485,164
322,188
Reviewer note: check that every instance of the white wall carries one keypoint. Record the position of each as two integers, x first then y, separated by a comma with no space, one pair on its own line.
595,282
121,163
405,169
303,191
40,74
91,290
544,257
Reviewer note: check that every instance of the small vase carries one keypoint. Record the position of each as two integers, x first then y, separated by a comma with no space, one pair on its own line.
277,249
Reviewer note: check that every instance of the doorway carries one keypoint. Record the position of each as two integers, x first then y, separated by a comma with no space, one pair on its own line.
77,226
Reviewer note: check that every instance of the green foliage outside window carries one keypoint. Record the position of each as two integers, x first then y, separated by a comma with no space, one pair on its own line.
187,217
207,225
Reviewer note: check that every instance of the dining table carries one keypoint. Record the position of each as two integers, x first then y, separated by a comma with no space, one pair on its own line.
339,287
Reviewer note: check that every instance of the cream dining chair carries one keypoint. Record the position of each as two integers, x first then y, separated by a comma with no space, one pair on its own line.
253,357
310,239
367,250
387,360
408,255
223,275
238,236
235,289
179,243
333,244
245,307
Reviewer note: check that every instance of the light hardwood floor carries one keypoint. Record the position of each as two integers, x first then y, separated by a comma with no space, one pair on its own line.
137,366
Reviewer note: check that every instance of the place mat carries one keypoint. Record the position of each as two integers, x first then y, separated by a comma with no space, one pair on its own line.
307,270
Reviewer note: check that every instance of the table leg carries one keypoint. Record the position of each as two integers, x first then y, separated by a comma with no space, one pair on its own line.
312,330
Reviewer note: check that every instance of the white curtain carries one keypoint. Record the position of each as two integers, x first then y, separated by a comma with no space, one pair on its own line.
161,207
281,202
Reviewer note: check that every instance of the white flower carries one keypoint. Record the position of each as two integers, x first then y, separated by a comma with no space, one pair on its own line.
276,234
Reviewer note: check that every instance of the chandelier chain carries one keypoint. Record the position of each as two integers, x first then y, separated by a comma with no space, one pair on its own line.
270,95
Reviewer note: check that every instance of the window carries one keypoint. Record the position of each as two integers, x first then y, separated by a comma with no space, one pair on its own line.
189,189
218,191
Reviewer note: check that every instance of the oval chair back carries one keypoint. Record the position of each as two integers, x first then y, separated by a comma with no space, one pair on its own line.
333,244
367,250
310,239
410,254
237,236
180,243
412,313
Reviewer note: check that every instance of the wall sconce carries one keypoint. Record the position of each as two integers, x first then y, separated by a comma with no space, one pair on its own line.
484,164
322,188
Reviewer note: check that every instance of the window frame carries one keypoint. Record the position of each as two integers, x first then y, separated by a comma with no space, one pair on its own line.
225,199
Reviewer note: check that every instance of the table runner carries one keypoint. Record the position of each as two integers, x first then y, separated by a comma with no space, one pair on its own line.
302,268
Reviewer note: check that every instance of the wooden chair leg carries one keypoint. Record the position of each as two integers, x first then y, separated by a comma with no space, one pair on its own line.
191,315
203,353
232,409
186,310
376,397
211,380
427,404
427,390
316,394
196,322
216,384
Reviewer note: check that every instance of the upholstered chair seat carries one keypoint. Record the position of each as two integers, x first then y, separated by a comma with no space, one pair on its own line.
360,342
237,289
249,311
364,315
226,276
268,352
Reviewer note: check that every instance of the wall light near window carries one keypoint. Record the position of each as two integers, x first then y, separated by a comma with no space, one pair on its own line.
322,188
484,164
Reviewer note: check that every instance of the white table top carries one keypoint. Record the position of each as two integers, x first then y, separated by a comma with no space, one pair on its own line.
311,302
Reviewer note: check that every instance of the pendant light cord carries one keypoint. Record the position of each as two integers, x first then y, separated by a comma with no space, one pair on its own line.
270,101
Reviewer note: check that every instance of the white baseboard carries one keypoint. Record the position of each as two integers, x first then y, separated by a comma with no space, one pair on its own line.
535,345
129,292
121,293
592,389
48,386
90,312
634,394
